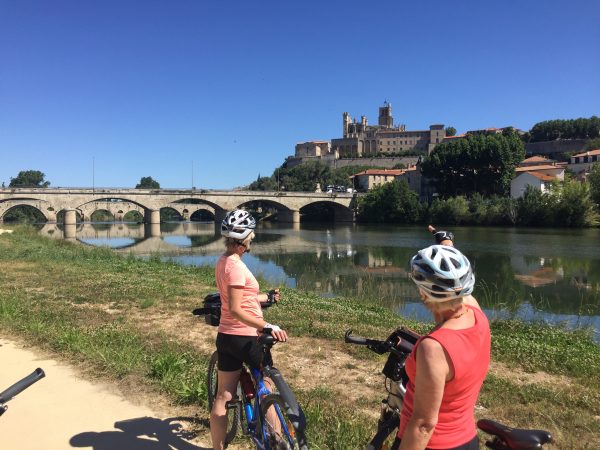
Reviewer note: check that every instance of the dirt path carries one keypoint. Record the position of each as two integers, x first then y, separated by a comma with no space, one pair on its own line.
63,411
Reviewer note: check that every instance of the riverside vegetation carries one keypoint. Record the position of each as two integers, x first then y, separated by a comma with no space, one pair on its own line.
129,320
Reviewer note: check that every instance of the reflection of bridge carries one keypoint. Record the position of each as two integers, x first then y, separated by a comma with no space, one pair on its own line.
51,201
148,238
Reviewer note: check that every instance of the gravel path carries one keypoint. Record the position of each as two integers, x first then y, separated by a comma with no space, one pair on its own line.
63,411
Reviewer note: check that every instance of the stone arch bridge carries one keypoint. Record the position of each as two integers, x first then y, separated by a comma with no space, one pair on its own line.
149,202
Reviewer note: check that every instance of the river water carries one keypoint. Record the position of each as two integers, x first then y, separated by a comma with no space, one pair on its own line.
534,274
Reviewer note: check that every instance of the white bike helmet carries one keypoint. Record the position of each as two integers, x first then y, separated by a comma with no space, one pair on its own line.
238,224
443,272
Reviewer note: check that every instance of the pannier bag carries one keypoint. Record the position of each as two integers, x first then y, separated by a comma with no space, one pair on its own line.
211,309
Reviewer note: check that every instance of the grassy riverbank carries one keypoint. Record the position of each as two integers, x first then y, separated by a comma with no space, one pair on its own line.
129,320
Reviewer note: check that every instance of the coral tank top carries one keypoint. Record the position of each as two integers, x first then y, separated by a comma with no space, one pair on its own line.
469,351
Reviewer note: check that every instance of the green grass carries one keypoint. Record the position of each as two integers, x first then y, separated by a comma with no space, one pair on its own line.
85,304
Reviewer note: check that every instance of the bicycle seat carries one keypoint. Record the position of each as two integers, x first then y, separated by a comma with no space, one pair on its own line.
515,438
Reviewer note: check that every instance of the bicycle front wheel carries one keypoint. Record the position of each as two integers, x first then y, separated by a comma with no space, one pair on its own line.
386,434
234,408
279,430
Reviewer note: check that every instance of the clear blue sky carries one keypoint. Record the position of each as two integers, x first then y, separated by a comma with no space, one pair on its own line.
143,88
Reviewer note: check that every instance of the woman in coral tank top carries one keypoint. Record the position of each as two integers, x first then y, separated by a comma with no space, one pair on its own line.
241,318
447,366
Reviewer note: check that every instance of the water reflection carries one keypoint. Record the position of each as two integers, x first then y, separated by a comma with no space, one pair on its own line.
520,272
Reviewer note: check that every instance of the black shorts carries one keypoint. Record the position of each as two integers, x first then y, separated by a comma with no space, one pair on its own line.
235,350
473,444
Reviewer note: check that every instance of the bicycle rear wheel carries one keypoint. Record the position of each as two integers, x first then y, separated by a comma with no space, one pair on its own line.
234,409
279,432
386,434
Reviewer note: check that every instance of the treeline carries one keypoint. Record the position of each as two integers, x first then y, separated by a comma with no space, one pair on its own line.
305,177
551,130
568,204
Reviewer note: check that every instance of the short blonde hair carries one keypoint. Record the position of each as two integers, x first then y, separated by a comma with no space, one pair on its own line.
231,243
436,306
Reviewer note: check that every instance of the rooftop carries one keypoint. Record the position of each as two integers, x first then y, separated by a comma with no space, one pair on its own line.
542,176
588,153
536,159
540,167
392,172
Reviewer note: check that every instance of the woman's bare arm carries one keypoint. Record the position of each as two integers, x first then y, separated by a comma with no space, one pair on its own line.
236,295
432,372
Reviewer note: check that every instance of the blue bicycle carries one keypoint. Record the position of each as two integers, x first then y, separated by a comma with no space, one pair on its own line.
273,420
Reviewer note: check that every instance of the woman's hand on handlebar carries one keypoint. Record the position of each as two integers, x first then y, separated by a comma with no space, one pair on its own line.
277,332
273,295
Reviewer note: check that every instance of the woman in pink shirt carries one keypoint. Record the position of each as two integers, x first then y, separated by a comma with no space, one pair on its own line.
447,366
241,317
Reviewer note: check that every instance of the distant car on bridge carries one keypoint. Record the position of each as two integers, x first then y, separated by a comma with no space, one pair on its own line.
332,188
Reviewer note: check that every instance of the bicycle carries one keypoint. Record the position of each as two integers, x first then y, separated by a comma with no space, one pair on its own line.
19,387
273,420
399,345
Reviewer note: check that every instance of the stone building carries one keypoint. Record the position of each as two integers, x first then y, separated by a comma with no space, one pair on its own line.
313,149
582,163
538,172
370,178
359,139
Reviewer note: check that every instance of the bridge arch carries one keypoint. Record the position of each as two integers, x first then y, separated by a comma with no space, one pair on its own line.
118,207
338,213
201,214
187,207
45,208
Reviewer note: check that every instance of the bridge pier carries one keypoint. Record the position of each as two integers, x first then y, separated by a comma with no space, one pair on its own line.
151,230
290,216
152,216
70,217
70,231
219,216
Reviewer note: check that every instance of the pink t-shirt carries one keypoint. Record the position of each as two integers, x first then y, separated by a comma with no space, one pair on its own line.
469,351
231,271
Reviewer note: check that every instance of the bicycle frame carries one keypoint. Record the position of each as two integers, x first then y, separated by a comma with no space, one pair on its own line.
254,416
253,412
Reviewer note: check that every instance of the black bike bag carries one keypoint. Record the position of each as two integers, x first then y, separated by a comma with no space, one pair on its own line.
211,309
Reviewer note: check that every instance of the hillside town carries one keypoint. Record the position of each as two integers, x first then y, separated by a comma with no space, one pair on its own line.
396,153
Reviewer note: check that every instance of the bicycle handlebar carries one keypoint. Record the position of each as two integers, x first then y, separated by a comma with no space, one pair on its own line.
21,385
359,340
266,338
400,348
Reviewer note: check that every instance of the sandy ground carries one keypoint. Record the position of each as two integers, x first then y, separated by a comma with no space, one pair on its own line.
63,411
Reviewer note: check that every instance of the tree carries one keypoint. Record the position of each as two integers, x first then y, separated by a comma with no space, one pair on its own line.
450,131
533,208
551,130
594,181
263,184
573,204
29,178
147,183
592,144
483,163
390,203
